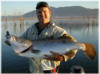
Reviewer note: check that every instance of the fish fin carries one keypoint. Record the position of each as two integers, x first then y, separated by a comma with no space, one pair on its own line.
8,43
35,51
90,51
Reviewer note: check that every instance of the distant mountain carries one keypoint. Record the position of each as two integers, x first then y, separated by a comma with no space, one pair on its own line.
30,14
66,12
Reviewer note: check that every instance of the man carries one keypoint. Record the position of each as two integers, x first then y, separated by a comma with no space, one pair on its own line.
45,28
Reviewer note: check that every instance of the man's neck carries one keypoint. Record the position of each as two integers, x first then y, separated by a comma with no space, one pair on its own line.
43,25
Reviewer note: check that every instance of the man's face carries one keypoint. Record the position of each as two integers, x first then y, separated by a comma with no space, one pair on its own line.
43,15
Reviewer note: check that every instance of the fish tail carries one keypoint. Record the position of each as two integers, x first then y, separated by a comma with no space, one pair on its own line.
90,50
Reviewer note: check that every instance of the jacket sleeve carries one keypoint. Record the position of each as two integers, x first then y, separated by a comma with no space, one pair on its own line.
58,32
68,37
61,33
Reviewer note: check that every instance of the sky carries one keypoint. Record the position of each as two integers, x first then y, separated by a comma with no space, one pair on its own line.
21,7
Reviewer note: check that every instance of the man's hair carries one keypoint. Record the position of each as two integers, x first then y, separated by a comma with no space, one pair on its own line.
42,4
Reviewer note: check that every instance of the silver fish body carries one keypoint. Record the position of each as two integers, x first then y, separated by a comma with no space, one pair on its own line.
60,46
38,48
41,47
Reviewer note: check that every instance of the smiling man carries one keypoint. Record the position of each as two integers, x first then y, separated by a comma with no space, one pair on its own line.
46,29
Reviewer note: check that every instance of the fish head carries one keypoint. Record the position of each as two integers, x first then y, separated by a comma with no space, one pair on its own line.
21,45
18,44
9,40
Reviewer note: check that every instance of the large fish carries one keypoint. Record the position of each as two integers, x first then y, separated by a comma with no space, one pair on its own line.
38,48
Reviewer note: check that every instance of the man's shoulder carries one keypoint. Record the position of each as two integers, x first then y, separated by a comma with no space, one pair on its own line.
57,27
53,25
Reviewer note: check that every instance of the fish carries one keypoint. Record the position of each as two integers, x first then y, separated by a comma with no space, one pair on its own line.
38,48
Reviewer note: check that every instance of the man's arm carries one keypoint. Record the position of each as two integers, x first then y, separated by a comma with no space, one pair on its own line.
68,37
61,33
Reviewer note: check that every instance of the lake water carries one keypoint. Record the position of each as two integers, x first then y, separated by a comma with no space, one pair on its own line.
83,30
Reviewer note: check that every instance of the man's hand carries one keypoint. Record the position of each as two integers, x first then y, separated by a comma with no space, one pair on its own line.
54,57
68,37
